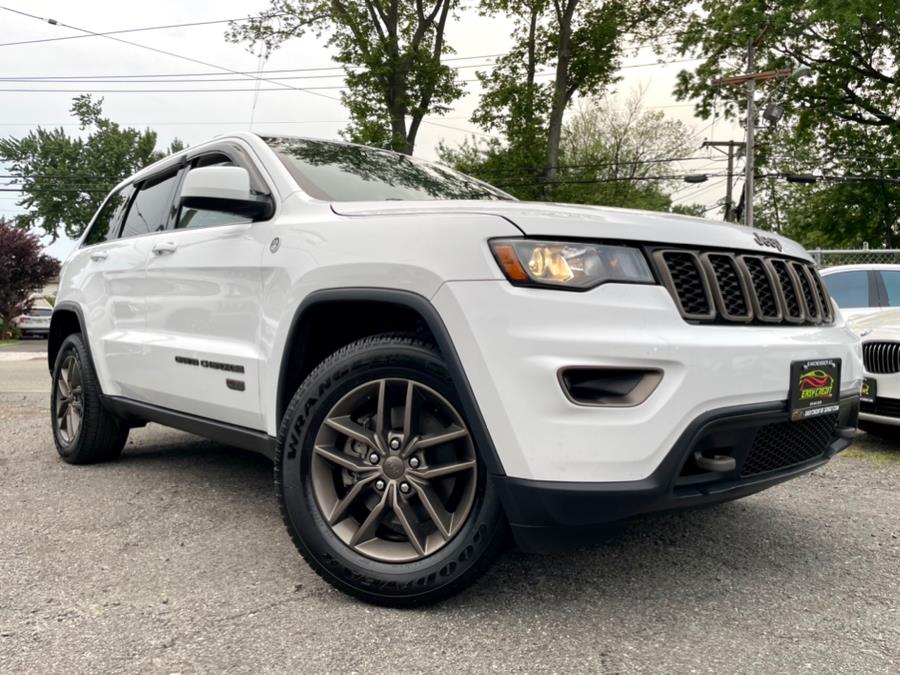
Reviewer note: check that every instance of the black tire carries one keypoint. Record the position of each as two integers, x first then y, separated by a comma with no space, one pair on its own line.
397,584
100,436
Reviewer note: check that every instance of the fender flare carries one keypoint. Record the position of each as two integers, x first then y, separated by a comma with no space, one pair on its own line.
66,306
423,307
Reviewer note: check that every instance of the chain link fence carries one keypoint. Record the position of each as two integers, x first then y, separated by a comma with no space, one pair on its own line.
830,258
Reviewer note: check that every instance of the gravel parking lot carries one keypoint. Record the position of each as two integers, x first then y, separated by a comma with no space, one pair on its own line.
174,559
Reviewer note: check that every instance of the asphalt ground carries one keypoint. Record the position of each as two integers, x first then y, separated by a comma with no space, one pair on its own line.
28,345
174,559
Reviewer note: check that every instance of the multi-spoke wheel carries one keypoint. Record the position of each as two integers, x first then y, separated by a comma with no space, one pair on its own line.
69,406
379,476
83,430
394,470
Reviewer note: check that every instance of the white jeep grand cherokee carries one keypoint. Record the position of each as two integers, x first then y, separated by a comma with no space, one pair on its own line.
431,363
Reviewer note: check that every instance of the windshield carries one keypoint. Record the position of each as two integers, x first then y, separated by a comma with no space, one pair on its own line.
352,173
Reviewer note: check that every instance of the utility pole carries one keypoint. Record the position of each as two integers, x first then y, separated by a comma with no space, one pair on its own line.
732,146
751,128
749,79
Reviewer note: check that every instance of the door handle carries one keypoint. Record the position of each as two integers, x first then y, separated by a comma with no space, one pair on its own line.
99,256
165,247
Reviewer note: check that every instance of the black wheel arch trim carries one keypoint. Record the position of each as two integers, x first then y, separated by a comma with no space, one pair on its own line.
421,305
52,346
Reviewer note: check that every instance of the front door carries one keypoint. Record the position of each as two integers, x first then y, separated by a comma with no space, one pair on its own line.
204,286
105,277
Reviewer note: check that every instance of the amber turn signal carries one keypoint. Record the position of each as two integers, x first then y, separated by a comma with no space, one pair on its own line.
509,262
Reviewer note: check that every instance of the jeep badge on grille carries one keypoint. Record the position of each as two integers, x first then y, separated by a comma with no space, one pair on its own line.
762,240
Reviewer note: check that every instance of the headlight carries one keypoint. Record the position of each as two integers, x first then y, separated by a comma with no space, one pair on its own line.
572,265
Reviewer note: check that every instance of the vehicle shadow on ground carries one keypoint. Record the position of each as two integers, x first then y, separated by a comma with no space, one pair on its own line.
729,547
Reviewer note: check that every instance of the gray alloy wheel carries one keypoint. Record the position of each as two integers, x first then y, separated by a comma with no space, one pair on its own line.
394,470
69,400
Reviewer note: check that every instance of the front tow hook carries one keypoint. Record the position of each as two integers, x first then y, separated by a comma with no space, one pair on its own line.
845,432
716,463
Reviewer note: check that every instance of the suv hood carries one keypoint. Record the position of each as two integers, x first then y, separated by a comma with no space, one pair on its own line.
539,219
882,325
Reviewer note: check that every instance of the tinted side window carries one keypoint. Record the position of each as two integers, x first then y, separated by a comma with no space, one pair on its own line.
892,285
197,217
104,226
849,289
149,210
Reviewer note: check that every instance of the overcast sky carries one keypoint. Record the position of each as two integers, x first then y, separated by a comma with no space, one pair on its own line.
195,117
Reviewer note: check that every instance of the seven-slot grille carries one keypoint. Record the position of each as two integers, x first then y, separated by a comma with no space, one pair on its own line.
881,357
744,288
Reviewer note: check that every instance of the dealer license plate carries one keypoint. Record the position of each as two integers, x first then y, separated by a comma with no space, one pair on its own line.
815,388
868,391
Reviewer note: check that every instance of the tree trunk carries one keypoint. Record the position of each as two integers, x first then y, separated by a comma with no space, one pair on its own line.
531,67
428,89
560,87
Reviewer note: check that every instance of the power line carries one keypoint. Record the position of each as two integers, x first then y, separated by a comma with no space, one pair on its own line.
590,181
153,77
586,181
164,52
122,31
661,160
270,71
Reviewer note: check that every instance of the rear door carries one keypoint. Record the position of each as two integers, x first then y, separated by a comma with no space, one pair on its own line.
204,287
104,277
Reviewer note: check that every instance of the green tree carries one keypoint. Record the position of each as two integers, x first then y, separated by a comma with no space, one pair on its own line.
857,207
64,178
24,270
626,149
613,153
843,120
582,42
391,54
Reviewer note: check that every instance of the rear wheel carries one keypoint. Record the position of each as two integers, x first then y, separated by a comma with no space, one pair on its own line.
379,479
84,431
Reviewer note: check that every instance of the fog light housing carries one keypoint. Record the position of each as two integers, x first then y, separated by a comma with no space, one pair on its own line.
609,387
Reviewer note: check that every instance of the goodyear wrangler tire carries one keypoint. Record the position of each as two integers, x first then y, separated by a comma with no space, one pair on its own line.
379,480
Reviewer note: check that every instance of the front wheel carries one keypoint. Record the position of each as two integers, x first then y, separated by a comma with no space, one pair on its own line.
379,479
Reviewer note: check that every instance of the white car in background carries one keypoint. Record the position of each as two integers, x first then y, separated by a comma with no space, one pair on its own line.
863,290
880,397
35,322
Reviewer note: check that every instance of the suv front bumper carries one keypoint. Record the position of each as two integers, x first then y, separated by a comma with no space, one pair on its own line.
513,342
546,515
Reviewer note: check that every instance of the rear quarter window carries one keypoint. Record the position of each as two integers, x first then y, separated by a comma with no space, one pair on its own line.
892,286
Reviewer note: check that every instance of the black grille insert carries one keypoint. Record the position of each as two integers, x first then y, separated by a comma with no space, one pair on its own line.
766,307
721,287
785,444
881,357
729,288
888,407
806,289
685,276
